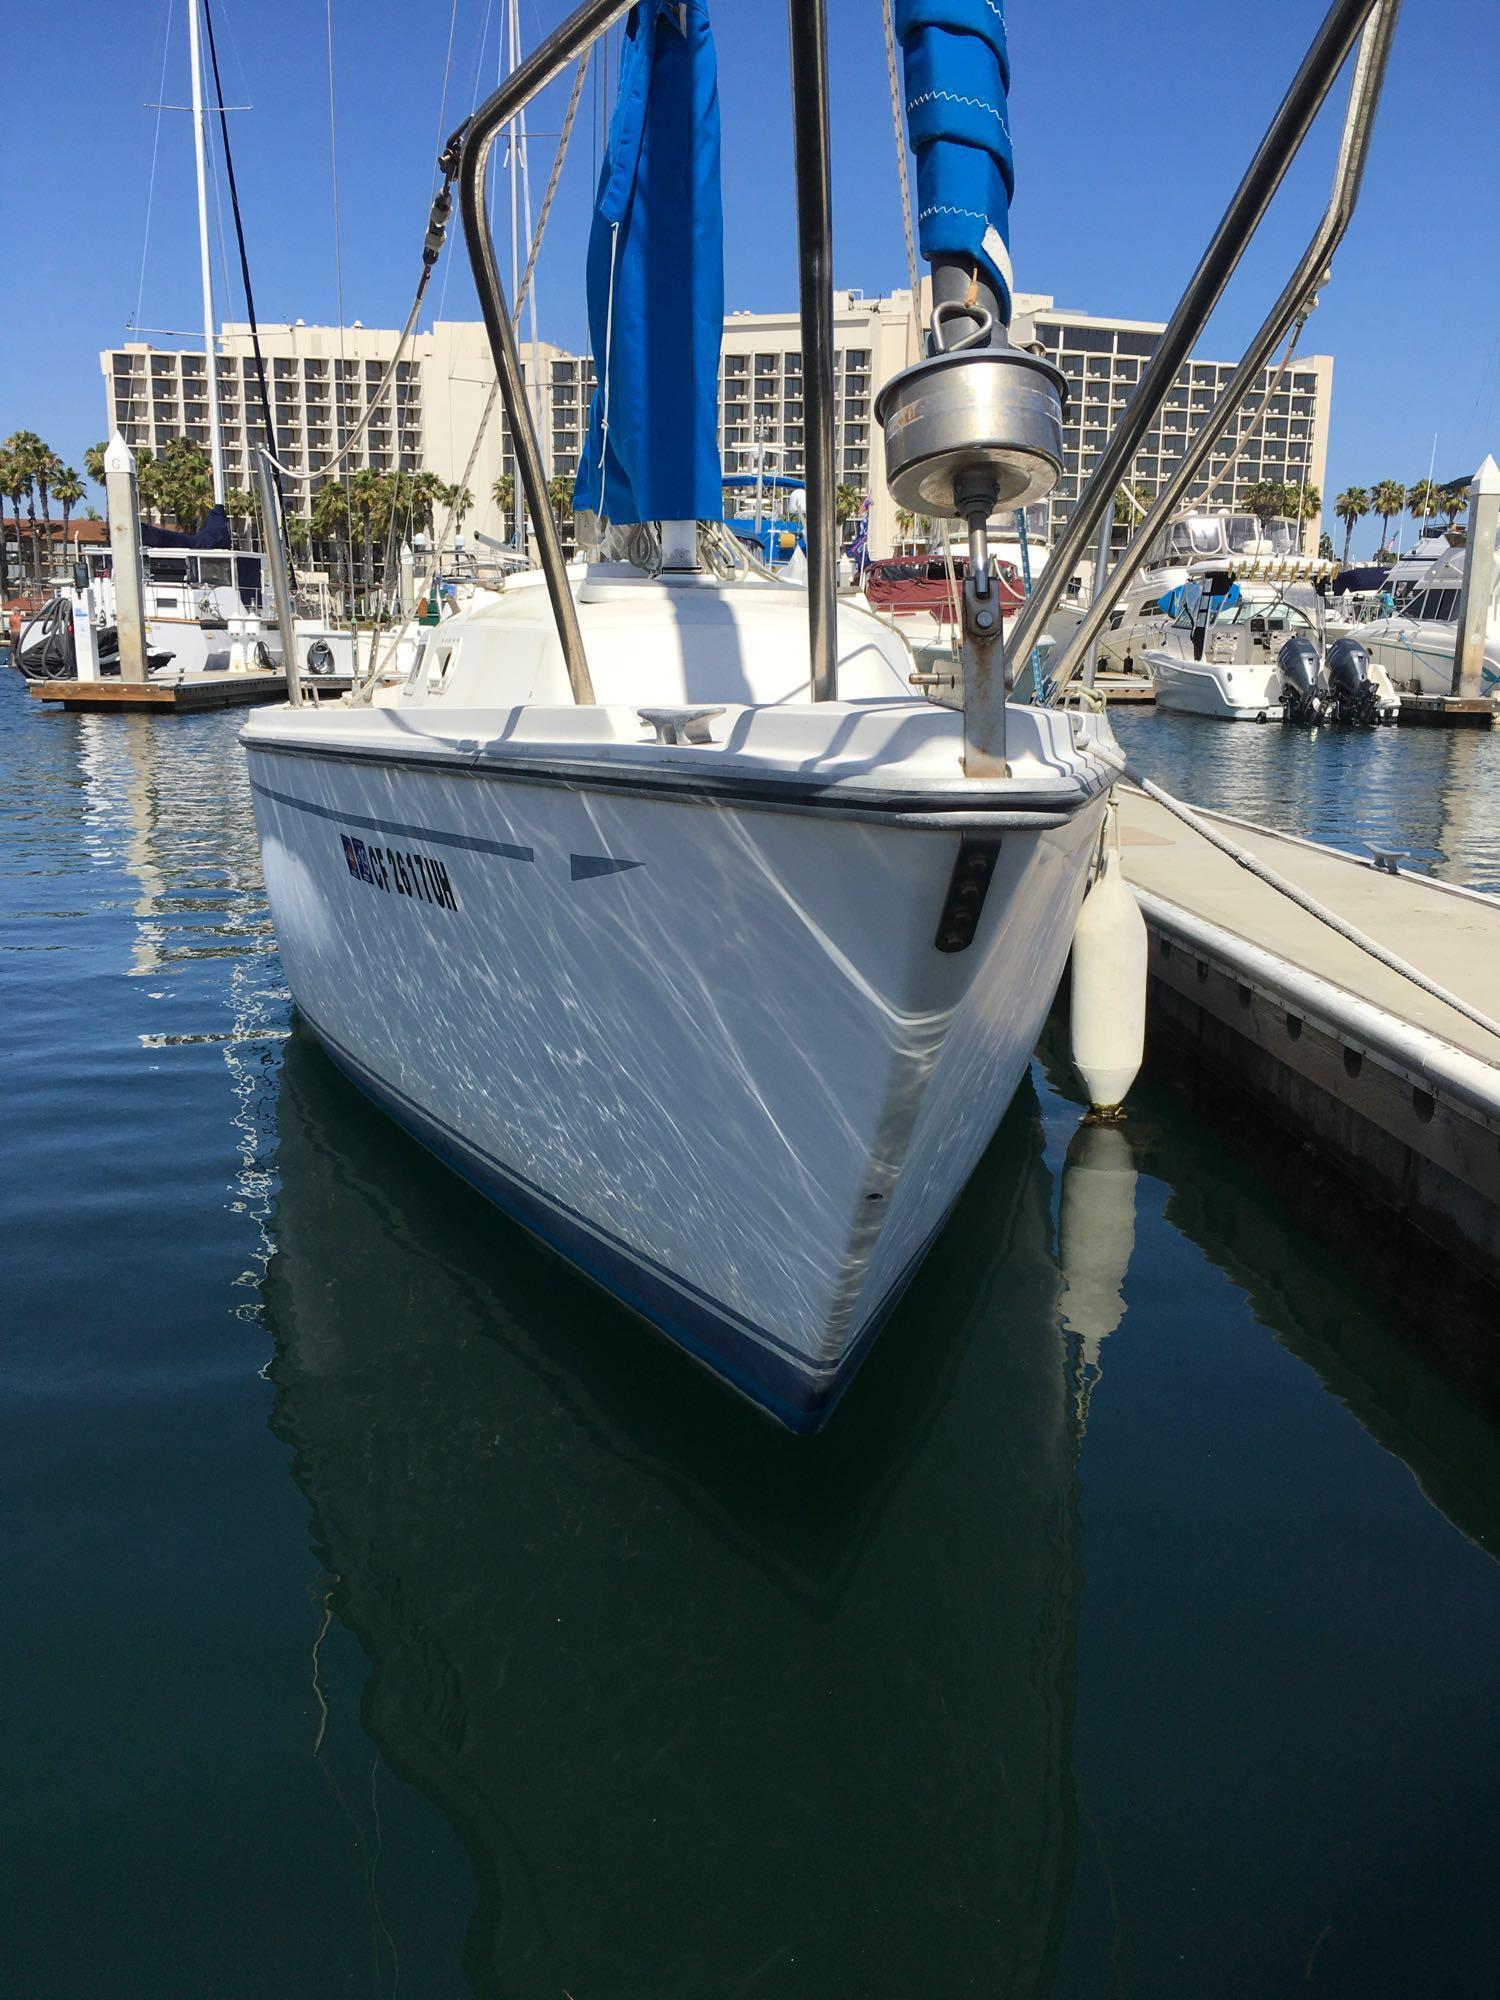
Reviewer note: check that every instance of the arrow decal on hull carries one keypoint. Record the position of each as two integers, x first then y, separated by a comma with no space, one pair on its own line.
584,867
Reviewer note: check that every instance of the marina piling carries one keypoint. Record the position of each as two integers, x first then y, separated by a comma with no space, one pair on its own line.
1479,582
125,546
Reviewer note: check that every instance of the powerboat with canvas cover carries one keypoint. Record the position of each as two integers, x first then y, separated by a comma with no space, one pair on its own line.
700,942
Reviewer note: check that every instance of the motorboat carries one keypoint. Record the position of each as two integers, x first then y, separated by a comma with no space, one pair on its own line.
1153,598
1417,642
929,586
204,613
652,898
1239,649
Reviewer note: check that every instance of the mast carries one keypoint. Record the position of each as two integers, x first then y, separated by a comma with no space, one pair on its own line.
215,441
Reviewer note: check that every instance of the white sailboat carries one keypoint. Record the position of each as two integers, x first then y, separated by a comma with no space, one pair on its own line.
651,898
202,605
715,975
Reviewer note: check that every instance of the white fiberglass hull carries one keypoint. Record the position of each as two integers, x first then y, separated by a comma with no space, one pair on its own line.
1232,692
1419,656
705,1048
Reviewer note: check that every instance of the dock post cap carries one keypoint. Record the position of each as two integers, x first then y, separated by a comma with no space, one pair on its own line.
118,456
1487,479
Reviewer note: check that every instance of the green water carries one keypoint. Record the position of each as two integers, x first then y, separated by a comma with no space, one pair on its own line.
386,1614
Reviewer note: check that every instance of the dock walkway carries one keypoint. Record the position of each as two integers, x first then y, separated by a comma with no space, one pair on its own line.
1397,1085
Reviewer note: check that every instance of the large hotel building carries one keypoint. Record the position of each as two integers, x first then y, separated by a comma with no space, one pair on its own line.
321,379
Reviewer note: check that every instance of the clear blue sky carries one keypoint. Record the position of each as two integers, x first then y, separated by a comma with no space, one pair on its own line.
1131,125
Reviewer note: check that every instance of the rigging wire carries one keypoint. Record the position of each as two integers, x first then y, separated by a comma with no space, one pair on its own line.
239,237
161,93
1243,443
340,386
366,691
899,130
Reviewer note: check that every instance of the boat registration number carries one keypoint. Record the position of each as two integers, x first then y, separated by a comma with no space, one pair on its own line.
400,871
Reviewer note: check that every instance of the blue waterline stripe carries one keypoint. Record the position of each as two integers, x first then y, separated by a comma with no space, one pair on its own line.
506,849
498,1168
791,1394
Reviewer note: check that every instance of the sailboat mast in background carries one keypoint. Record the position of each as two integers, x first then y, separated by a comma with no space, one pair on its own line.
215,441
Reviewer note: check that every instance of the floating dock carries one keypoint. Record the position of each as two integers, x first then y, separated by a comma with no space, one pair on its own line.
1127,690
189,695
1397,1086
1448,711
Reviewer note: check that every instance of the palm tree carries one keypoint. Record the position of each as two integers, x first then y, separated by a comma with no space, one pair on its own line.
1388,500
1300,502
93,461
560,496
15,486
150,482
368,500
461,500
847,501
1421,501
47,470
67,489
4,553
239,505
427,492
1451,502
28,451
1264,499
1132,498
1351,507
330,523
503,493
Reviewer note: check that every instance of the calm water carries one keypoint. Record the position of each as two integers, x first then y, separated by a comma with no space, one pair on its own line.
386,1614
1434,792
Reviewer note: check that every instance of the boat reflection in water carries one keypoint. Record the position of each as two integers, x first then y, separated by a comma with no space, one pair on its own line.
713,1710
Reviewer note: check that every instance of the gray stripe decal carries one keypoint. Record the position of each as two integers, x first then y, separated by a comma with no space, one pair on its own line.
505,848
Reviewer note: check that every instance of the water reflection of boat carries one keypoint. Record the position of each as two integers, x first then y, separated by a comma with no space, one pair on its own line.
712,1711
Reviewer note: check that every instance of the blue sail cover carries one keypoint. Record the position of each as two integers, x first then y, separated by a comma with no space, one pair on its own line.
957,77
656,279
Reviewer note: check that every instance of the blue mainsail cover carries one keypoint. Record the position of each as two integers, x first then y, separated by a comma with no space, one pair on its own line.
656,279
957,79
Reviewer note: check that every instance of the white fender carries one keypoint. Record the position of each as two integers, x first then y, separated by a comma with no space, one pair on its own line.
1108,1017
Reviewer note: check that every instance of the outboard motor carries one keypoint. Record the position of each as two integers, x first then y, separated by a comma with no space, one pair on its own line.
1297,663
1352,694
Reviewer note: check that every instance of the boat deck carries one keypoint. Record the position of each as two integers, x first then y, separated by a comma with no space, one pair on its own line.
1396,1084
